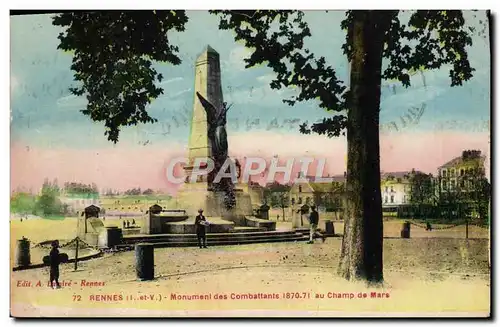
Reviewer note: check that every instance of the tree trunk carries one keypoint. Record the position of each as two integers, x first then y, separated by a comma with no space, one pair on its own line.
361,256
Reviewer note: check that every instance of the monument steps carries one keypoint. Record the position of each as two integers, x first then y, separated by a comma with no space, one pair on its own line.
166,240
240,229
217,242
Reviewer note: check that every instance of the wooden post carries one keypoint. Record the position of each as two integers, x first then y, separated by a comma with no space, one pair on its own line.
76,254
467,228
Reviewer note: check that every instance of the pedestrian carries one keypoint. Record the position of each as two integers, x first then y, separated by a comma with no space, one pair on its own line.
128,224
277,217
133,222
123,224
313,223
54,265
199,224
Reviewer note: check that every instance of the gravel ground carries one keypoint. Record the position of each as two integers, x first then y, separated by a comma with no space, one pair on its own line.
421,276
424,276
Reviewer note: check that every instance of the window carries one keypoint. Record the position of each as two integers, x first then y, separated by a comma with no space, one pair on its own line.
453,183
452,172
462,172
392,188
392,198
462,184
300,188
445,185
300,200
445,173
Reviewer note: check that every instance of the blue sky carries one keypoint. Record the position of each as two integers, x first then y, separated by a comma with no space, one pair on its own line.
45,114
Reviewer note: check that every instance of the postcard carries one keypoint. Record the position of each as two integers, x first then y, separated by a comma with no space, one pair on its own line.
228,163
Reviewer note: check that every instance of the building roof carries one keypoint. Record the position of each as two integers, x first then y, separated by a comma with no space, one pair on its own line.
338,178
92,208
334,178
324,187
459,160
396,174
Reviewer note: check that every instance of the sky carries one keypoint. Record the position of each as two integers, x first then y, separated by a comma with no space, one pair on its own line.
50,138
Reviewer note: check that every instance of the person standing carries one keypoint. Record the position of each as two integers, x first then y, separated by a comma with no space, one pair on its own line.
54,265
313,223
199,225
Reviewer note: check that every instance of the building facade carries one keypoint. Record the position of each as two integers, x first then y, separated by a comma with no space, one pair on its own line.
395,188
325,195
459,173
77,202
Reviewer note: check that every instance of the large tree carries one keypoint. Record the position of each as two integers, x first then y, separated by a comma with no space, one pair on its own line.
113,54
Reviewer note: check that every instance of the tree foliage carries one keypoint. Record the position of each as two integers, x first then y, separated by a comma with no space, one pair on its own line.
277,195
113,55
148,192
113,52
21,202
133,191
75,188
48,202
422,190
429,40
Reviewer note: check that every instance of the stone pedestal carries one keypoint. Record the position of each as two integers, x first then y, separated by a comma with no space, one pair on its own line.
264,212
23,252
405,231
144,261
329,228
195,196
110,237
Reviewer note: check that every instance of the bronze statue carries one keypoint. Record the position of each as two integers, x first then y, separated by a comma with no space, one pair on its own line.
217,136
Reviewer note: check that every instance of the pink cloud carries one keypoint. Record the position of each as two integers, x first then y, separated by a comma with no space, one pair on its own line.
127,166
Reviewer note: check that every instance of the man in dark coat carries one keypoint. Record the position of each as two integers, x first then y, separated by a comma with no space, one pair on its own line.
313,229
54,265
200,228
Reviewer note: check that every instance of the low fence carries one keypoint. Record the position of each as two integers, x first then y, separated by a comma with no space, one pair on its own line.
450,212
429,226
24,256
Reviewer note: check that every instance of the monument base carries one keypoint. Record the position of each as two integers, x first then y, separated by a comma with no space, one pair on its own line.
195,196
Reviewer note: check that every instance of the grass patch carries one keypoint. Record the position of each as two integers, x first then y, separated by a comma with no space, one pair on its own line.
54,217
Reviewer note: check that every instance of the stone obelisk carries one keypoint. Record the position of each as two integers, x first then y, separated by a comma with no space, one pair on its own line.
207,82
194,196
